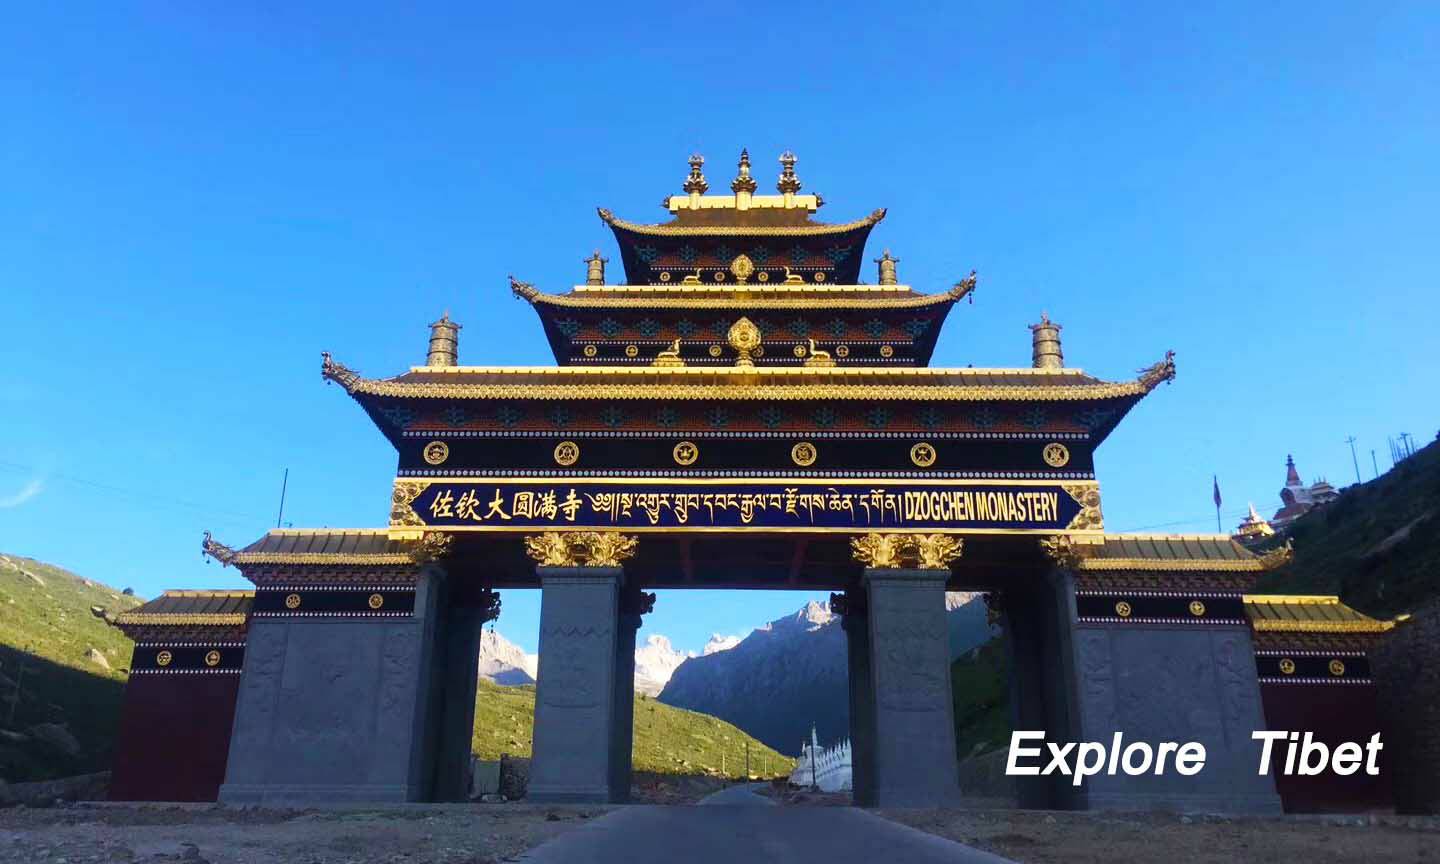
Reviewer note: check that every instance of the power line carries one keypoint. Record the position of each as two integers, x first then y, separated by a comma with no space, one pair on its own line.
148,497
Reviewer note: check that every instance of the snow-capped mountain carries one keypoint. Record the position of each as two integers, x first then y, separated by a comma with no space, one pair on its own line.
504,662
720,642
793,672
655,662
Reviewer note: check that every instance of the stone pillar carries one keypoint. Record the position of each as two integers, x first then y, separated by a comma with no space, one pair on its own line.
634,604
336,706
914,732
856,623
575,711
465,620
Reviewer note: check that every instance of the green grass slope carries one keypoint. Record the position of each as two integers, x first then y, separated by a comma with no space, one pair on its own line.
46,630
1378,546
980,688
668,740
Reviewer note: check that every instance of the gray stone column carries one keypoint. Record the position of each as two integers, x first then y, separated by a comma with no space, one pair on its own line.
457,686
335,708
575,698
856,624
634,604
910,673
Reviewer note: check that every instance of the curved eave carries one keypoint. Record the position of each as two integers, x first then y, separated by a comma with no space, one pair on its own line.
817,229
741,301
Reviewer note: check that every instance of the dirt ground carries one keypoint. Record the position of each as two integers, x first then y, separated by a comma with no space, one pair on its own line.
442,834
1038,837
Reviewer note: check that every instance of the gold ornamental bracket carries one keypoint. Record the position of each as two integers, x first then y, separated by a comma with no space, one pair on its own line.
918,551
745,338
581,548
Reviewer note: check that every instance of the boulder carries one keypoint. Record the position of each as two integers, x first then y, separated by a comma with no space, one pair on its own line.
57,736
514,777
97,658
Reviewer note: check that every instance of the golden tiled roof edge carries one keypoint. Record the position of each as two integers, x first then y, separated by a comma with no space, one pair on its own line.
180,619
355,384
913,301
811,230
1266,625
1084,557
429,547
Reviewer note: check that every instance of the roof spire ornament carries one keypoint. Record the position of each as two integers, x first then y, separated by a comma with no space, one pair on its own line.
444,342
744,184
788,184
887,268
595,269
696,184
1045,344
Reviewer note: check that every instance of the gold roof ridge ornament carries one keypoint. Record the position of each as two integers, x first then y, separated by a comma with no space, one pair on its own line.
818,358
696,184
743,185
333,370
669,358
1160,373
523,290
964,288
887,268
444,349
595,269
215,549
745,338
788,183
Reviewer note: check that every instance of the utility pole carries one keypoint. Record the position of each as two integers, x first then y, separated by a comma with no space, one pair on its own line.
1351,441
284,483
1409,451
1373,464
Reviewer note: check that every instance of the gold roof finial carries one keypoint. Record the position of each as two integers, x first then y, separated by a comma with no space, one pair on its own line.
743,182
696,184
595,269
444,342
887,268
788,184
1045,344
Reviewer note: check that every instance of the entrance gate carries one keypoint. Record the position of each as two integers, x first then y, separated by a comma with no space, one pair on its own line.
739,411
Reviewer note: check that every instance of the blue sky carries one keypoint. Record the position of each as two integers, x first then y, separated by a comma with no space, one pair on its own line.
197,201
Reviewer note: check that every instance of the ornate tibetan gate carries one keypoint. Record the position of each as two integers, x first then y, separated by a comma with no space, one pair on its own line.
740,412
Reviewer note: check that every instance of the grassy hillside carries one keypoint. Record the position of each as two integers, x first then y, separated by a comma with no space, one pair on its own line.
46,631
667,740
980,687
1378,546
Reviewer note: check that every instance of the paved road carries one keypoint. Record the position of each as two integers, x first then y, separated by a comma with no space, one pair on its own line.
740,827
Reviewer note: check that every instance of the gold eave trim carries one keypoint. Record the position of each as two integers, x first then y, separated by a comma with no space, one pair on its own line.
782,393
1267,625
1188,565
758,301
180,619
756,289
379,559
189,592
739,230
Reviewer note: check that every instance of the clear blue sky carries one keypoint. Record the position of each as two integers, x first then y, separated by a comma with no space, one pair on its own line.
195,200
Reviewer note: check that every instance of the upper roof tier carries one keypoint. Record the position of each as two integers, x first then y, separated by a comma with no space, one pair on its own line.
722,256
742,238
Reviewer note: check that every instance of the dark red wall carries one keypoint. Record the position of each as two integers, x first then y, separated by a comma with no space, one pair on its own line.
1334,713
174,737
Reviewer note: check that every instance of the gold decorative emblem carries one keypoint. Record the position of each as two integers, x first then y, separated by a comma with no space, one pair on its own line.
665,276
1090,517
292,601
716,350
1337,667
669,357
1197,608
212,658
567,453
632,351
1123,609
762,276
820,276
376,601
744,337
685,453
1287,666
804,454
923,454
163,658
1056,455
887,351
580,548
436,452
798,350
589,350
842,350
742,268
922,551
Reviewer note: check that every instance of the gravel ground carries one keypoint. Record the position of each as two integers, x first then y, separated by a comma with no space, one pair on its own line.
1038,837
434,834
